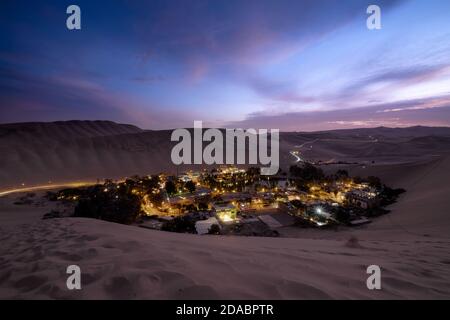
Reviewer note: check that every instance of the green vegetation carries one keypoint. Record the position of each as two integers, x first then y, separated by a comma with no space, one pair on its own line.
180,224
190,186
215,229
118,205
170,187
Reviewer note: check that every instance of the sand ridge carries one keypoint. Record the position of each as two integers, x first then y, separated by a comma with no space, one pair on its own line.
125,262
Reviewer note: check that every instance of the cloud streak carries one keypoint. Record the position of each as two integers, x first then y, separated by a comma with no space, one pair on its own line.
408,113
161,64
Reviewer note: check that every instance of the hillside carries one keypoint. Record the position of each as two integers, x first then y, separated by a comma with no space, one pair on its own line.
411,244
36,153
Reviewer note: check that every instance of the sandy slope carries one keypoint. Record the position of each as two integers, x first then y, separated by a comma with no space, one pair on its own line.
411,245
425,209
62,152
126,262
76,151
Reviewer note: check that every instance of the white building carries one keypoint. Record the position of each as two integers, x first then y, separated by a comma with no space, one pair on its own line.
203,226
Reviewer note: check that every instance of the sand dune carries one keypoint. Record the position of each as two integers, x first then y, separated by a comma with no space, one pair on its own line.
425,208
411,244
124,262
36,153
81,150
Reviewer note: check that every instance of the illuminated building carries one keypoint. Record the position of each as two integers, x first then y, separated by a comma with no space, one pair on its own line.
363,199
225,212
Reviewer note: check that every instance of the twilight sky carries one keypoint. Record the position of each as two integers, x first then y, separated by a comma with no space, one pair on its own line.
299,65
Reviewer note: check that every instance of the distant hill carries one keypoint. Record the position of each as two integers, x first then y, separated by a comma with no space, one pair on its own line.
64,129
35,153
415,131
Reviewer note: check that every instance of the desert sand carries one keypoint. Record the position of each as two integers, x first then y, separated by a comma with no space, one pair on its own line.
411,244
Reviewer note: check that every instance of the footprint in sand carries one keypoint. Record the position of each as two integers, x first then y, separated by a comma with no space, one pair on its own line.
295,290
88,279
5,275
392,284
29,283
120,288
52,291
196,293
72,257
178,286
86,238
31,258
147,264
